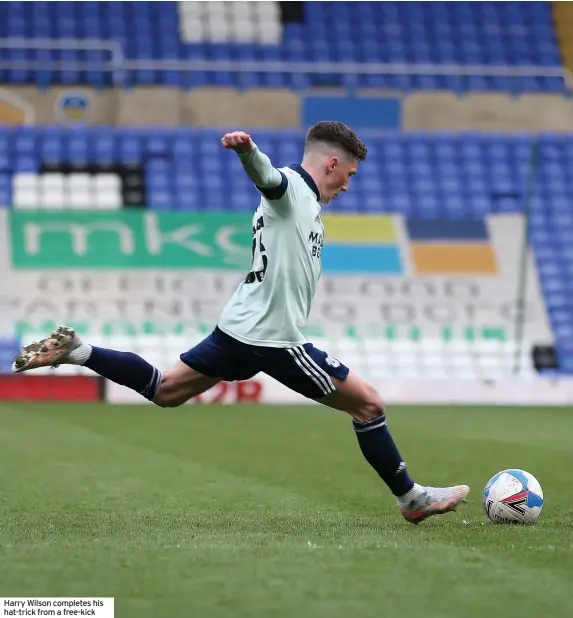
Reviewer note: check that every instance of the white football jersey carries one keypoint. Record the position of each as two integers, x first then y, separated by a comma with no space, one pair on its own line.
272,304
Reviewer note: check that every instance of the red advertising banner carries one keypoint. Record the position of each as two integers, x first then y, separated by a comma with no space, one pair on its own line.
50,388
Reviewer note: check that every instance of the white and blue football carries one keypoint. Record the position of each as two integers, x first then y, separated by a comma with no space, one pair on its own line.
513,497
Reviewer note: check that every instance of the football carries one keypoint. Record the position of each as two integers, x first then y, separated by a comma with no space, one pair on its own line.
513,497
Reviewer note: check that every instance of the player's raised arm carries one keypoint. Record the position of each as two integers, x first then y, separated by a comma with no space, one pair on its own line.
268,179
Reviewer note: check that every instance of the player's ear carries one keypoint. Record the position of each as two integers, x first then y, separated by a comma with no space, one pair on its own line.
332,164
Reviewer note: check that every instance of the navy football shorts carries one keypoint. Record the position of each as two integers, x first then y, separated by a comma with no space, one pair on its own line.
302,368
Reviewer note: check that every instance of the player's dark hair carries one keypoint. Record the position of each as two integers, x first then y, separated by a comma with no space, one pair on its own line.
334,132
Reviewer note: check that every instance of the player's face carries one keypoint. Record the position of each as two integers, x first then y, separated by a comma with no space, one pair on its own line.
338,174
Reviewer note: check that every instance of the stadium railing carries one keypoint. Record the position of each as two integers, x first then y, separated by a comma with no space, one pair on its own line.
119,65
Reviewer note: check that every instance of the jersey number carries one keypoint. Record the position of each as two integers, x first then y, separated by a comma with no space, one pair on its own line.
260,260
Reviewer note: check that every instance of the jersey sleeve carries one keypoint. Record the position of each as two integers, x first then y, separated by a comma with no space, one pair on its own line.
275,193
277,189
281,200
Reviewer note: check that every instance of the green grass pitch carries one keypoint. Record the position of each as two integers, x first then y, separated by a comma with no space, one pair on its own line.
264,511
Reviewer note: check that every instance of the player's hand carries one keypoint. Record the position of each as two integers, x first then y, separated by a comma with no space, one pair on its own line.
239,141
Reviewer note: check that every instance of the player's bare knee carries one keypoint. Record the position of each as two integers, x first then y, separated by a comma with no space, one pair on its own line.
167,400
370,407
167,396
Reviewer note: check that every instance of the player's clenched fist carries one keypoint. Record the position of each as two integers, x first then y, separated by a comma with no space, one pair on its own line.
239,141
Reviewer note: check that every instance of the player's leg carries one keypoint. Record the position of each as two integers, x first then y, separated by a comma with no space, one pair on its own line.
318,376
172,388
361,400
180,384
64,347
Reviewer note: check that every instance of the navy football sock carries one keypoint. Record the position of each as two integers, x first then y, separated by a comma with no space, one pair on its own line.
126,368
380,451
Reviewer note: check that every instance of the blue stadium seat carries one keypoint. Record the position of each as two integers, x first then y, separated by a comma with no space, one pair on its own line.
389,32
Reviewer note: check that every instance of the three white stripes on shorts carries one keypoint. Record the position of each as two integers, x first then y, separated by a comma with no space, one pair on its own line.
300,356
314,371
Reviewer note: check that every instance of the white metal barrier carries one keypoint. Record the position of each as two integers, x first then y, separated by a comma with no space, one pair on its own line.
114,63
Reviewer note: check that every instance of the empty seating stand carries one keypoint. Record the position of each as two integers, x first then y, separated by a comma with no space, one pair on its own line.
444,33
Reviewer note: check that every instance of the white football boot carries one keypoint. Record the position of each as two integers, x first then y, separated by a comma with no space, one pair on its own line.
433,501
